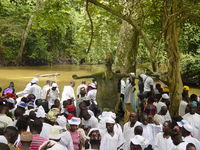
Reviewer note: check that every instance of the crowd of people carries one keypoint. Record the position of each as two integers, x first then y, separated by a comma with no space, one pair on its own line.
39,119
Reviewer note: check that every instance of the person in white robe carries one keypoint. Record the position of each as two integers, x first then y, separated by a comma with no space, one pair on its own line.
45,89
162,116
89,121
52,94
91,95
163,140
178,141
68,92
110,140
193,119
82,85
129,128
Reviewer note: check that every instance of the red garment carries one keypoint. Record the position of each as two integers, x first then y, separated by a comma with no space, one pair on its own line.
150,109
70,108
37,141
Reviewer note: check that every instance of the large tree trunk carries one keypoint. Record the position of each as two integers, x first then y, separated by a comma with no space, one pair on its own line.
23,41
171,41
128,42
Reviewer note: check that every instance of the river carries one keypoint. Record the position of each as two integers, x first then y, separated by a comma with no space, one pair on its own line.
22,75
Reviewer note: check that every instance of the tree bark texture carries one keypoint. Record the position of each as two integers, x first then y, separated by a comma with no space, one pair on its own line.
172,49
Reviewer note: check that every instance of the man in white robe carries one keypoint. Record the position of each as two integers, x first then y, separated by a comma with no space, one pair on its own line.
68,92
193,119
129,128
82,85
162,116
45,89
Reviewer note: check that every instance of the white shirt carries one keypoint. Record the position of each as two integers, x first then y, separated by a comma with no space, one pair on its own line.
92,122
162,118
4,119
194,121
182,107
129,133
159,105
92,94
192,140
181,146
79,88
66,140
52,95
3,139
35,90
44,91
45,130
122,87
150,131
109,142
162,143
68,93
129,94
148,81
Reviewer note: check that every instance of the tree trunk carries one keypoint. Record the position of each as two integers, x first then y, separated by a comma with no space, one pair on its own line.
172,49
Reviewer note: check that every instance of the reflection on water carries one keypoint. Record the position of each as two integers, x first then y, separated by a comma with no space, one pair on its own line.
22,75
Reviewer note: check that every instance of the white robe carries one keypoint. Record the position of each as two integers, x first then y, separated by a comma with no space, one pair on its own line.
66,140
79,88
129,133
109,142
68,93
45,130
35,90
92,122
182,107
181,146
192,140
92,95
162,118
162,143
52,96
44,91
194,121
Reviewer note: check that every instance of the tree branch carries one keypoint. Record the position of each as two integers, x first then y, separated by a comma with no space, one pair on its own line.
91,25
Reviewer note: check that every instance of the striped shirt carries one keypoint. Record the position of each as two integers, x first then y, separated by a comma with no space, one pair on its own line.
37,140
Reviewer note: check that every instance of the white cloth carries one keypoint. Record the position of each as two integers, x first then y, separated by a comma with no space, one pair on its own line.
25,91
129,133
194,121
45,130
52,96
91,95
44,91
192,140
181,146
148,82
68,93
122,87
3,139
109,142
35,90
56,145
159,105
162,118
162,143
4,119
182,107
66,140
129,93
92,122
79,88
150,131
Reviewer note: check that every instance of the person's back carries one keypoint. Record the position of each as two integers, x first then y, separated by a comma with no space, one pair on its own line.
36,90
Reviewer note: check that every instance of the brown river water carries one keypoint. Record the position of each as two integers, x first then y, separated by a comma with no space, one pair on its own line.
22,75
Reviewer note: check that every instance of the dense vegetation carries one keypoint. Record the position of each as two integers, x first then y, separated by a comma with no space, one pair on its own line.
162,35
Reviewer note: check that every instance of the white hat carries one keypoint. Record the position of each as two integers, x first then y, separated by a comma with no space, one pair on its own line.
165,96
92,85
188,127
182,123
107,114
74,121
62,121
54,85
55,132
139,140
34,80
90,131
109,120
40,112
132,74
10,100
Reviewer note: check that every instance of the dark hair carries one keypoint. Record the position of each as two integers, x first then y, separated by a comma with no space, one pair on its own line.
18,112
22,123
11,134
190,145
193,97
36,126
138,130
4,146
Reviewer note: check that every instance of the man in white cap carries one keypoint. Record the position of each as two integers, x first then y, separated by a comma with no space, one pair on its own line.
138,143
52,94
186,133
35,89
68,92
110,139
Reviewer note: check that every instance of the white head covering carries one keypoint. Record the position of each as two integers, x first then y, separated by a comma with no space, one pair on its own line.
182,123
165,96
139,140
55,132
109,120
62,121
132,74
54,84
143,76
107,114
34,80
188,127
91,130
40,112
74,121
92,85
